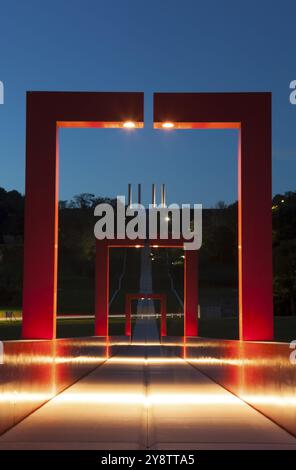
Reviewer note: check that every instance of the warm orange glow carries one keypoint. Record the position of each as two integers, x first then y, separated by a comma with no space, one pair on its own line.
168,125
26,397
129,125
164,398
145,361
48,359
99,124
197,125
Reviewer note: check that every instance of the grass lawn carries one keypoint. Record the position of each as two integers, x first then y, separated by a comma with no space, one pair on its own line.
10,330
225,328
16,311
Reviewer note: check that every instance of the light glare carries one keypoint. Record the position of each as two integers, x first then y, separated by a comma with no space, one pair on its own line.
129,125
168,125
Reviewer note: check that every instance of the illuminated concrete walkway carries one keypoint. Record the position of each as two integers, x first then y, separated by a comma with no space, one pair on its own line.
146,397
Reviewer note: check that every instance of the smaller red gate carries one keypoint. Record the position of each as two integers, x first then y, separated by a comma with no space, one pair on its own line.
128,310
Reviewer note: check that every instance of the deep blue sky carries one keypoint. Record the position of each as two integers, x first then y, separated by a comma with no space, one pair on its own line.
163,45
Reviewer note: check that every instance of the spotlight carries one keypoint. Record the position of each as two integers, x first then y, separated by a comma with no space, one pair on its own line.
129,125
168,125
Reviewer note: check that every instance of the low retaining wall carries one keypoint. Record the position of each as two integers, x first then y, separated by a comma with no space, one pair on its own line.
260,373
33,372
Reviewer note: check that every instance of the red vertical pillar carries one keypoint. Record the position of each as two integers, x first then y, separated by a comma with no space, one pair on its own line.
41,227
163,307
102,289
255,227
128,315
190,293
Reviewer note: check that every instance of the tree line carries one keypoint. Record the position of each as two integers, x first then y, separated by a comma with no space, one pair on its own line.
76,243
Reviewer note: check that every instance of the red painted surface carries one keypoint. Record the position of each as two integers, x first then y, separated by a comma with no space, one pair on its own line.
46,113
190,293
250,113
102,290
128,315
128,310
163,312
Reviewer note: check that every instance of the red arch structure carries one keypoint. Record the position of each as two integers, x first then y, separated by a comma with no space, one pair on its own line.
128,310
47,113
102,281
249,113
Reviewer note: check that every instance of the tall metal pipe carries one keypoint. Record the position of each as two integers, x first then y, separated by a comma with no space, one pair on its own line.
139,193
129,195
153,195
163,195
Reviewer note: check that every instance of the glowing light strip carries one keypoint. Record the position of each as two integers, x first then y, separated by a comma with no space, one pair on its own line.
281,401
26,397
167,398
164,399
46,360
146,361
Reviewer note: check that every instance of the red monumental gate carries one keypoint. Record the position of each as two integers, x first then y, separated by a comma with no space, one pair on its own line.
102,281
128,310
249,113
47,112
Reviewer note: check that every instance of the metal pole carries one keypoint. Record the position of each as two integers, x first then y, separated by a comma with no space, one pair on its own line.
163,195
129,197
153,195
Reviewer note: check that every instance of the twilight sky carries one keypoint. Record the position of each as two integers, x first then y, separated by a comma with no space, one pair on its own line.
155,45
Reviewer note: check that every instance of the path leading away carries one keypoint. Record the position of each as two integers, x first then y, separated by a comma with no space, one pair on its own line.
146,397
145,306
